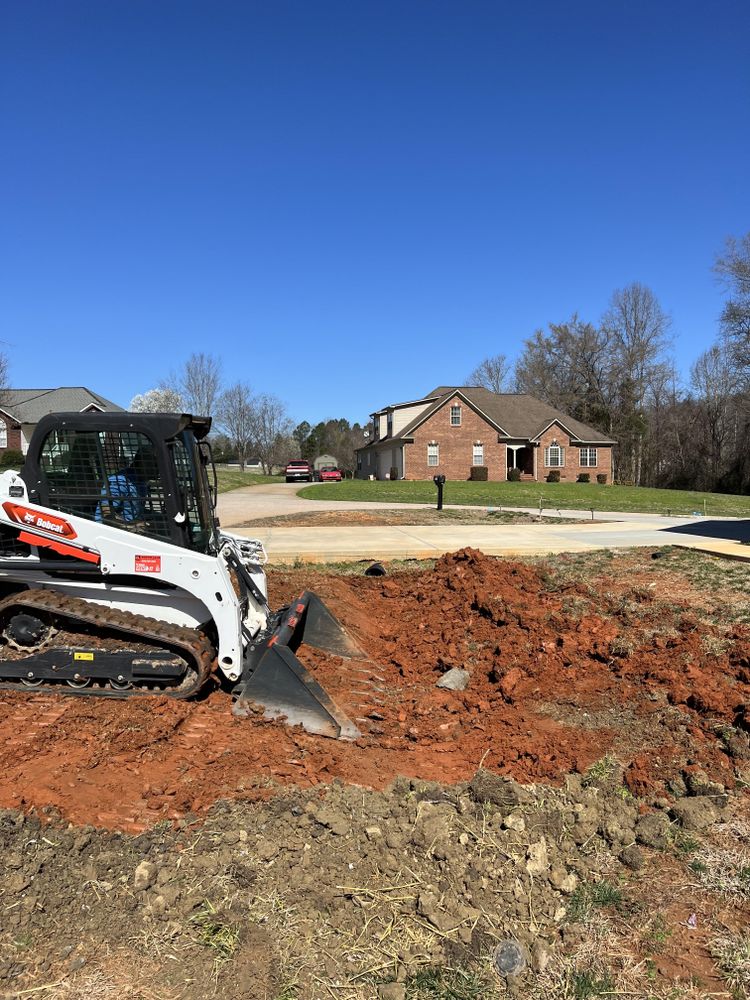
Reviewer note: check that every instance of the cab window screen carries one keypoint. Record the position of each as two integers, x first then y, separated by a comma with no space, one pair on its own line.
107,476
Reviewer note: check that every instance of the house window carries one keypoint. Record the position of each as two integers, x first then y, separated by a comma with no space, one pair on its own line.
554,456
3,434
433,454
390,425
477,454
588,457
455,416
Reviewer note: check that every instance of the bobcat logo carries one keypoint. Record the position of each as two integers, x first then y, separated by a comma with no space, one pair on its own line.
29,518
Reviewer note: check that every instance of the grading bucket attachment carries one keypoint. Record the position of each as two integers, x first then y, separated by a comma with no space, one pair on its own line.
274,678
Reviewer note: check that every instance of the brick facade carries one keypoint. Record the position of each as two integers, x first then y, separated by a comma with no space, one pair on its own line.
13,431
572,457
455,446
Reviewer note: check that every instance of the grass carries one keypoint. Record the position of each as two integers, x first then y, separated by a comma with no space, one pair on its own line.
602,771
233,479
591,984
214,933
554,496
732,955
448,984
593,894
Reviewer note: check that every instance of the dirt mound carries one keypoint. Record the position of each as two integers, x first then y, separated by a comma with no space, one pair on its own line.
561,673
352,891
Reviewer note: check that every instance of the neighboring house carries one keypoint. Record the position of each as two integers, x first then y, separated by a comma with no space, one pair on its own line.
456,427
21,410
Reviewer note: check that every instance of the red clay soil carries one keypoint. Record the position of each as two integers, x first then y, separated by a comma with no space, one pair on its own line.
550,692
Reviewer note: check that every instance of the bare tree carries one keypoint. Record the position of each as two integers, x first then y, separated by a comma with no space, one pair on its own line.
271,431
198,383
160,400
733,269
4,372
714,382
637,328
493,373
570,368
235,412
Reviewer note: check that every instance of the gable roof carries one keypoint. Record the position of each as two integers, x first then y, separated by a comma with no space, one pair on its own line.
28,406
515,415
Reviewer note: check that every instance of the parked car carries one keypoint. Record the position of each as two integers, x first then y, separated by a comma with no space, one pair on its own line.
330,474
299,471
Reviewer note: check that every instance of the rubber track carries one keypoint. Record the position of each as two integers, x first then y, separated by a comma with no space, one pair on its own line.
194,645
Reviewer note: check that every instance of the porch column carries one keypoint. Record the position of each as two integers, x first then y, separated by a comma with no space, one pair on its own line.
514,448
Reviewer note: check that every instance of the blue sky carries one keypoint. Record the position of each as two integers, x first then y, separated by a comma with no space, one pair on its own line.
352,202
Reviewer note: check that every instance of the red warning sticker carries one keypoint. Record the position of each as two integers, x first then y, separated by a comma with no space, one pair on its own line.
148,564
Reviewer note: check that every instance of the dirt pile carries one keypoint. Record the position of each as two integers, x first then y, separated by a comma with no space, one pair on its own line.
347,890
560,673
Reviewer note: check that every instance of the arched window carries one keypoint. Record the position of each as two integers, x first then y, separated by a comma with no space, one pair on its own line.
3,434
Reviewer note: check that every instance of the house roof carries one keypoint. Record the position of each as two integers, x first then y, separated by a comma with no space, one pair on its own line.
515,415
28,406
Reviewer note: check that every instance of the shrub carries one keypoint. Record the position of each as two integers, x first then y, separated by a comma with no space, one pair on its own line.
514,475
584,477
478,474
601,478
11,459
553,476
393,473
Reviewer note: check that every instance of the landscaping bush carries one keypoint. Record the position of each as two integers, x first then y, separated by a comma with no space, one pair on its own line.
553,476
11,459
394,472
601,478
514,475
584,477
478,474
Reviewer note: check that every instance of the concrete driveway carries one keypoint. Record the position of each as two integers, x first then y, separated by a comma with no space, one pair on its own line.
347,544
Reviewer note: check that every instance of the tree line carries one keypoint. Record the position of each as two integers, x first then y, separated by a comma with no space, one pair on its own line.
248,424
619,375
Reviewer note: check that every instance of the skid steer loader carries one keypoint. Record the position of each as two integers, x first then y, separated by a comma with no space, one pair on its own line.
116,580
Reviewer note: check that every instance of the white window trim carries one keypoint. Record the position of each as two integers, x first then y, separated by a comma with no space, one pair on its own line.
456,423
3,434
477,449
548,464
587,463
433,460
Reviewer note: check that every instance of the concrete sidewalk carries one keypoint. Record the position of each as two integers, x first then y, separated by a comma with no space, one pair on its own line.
350,544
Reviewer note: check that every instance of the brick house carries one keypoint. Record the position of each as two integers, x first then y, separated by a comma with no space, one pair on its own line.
22,409
456,427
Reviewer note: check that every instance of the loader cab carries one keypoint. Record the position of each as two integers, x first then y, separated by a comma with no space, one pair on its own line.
141,472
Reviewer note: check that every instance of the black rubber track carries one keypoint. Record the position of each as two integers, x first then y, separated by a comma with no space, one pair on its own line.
192,645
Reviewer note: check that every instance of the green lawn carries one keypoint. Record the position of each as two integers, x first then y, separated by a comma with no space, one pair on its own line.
563,496
232,479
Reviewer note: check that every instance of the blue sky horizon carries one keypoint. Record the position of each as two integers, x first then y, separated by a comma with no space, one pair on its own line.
352,203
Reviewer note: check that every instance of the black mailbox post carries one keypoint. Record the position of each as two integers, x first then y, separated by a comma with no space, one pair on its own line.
439,481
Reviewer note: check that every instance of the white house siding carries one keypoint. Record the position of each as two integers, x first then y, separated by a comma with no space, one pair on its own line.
405,414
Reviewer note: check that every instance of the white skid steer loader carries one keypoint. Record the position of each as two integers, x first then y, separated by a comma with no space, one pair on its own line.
116,581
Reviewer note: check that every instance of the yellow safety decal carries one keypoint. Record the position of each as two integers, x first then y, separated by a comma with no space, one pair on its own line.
83,656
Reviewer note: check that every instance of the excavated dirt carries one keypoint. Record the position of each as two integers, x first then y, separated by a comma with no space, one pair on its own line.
562,672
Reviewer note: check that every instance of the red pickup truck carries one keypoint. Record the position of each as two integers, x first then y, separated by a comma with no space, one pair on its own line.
299,471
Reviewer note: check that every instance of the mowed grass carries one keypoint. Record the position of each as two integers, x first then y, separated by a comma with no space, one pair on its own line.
555,496
233,479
